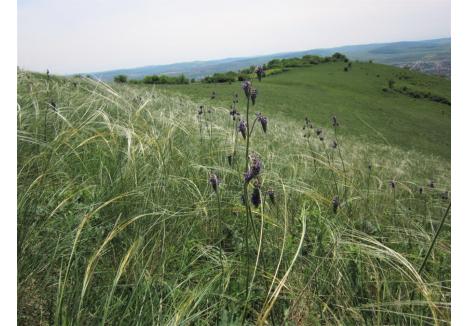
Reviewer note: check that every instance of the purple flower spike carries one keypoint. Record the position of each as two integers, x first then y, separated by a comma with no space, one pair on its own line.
256,198
253,95
246,86
254,170
264,122
243,128
214,181
335,204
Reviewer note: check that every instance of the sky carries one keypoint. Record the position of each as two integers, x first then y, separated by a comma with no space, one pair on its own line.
77,36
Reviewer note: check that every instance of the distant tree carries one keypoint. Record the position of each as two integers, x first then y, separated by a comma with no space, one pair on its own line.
120,79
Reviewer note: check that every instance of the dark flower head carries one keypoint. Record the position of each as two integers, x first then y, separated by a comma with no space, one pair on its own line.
243,128
420,190
254,169
213,95
53,105
369,166
271,195
200,110
229,159
335,204
335,122
256,198
445,195
209,110
321,138
253,95
259,71
431,184
318,131
392,184
334,144
214,181
246,86
264,122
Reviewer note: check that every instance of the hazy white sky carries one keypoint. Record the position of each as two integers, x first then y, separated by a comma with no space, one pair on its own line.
68,36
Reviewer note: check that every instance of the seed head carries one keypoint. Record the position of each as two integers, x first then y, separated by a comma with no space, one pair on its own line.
420,190
200,110
392,184
318,131
213,95
431,184
335,203
334,144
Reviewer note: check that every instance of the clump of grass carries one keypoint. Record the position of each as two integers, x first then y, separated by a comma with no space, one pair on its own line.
122,218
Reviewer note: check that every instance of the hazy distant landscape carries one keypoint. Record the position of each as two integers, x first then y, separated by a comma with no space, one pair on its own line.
431,56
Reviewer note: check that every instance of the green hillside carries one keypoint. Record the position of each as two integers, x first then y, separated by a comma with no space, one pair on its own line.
135,209
357,97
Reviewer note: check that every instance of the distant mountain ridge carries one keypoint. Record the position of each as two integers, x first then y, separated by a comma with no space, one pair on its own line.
429,56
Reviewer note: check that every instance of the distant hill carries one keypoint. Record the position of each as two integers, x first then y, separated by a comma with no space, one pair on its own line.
429,56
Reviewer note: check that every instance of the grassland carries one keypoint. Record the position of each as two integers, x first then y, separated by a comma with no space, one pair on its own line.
118,223
357,98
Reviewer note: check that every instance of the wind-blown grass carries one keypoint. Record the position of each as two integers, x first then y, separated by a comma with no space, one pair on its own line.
118,224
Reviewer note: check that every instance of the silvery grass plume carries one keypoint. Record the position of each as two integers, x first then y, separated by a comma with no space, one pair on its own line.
243,128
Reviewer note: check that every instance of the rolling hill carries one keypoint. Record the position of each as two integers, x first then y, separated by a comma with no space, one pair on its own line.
361,98
431,56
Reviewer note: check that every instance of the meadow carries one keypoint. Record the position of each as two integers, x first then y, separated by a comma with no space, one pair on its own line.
142,205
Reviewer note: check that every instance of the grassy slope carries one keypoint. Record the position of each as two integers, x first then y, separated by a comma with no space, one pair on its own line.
356,97
117,223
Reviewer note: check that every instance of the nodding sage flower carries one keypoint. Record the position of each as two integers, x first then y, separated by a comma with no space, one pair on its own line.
264,122
243,128
392,184
420,190
335,122
259,71
253,95
214,181
321,138
246,86
431,184
271,195
200,110
318,131
335,203
256,198
213,95
254,170
334,144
